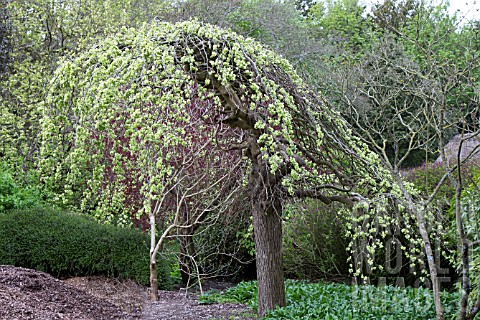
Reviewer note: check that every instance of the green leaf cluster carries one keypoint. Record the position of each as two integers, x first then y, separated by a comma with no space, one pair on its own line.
42,33
340,301
127,103
342,23
14,195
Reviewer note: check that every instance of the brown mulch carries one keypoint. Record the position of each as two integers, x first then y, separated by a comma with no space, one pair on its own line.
127,295
29,294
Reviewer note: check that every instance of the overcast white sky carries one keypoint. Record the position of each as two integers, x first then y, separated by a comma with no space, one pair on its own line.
469,8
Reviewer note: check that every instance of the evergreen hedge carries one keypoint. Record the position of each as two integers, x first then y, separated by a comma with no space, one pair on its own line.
65,244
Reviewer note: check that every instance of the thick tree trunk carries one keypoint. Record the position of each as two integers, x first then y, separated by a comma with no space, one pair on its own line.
267,225
268,245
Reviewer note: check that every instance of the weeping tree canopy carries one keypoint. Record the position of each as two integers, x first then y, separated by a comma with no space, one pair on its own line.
151,79
151,114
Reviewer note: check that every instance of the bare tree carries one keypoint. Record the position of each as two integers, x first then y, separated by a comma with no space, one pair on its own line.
403,109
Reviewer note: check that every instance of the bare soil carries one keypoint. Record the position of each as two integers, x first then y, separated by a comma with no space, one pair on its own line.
29,294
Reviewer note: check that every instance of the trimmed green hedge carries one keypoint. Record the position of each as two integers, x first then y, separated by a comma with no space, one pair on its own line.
65,244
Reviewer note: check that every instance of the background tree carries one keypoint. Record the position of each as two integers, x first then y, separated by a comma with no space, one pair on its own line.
408,97
341,22
277,24
304,6
394,14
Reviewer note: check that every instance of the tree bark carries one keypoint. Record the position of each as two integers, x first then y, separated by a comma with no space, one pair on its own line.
153,279
462,313
153,259
268,245
267,225
431,263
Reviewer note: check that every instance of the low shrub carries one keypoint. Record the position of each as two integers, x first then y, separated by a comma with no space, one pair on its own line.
428,175
341,301
65,244
13,195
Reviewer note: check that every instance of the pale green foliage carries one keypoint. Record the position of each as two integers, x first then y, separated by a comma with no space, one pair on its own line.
129,100
143,84
373,224
43,32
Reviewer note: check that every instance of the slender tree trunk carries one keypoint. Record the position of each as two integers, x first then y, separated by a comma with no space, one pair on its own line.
422,226
153,279
431,263
153,260
463,313
187,247
267,225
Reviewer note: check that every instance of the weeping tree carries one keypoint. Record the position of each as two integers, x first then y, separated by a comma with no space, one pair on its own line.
201,112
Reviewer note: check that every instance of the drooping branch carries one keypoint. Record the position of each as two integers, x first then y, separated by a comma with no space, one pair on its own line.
183,110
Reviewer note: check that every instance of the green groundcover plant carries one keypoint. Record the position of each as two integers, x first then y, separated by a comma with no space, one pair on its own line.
341,301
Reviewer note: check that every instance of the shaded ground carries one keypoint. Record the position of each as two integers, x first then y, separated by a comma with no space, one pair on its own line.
29,294
178,306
